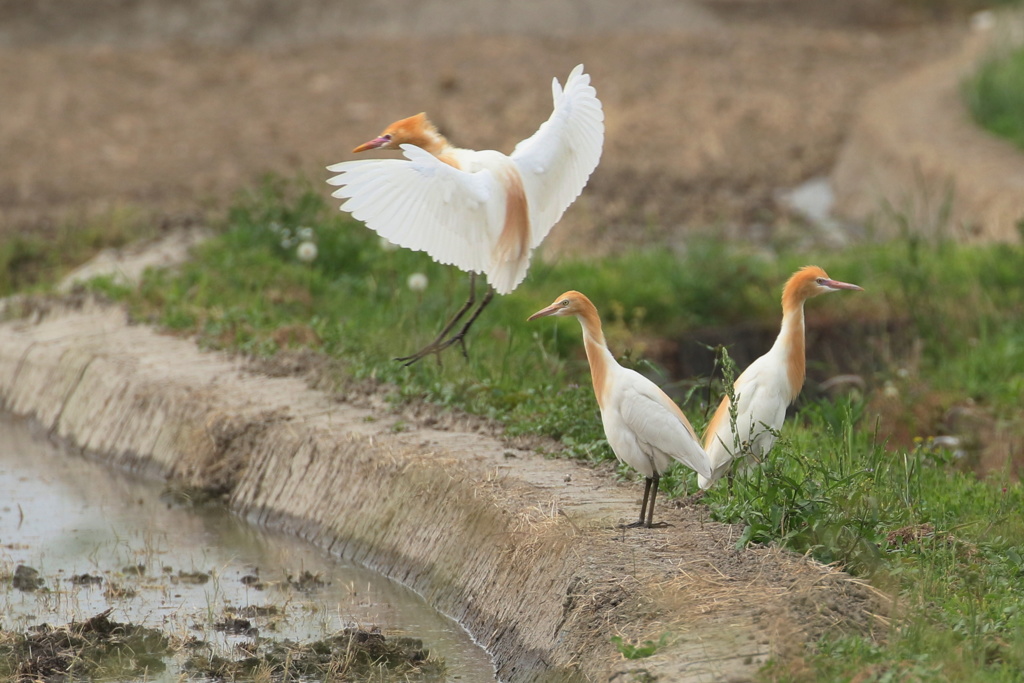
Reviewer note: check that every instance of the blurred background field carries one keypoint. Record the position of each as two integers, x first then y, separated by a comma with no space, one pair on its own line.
714,109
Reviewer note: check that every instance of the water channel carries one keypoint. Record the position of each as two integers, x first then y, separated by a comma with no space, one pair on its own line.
147,558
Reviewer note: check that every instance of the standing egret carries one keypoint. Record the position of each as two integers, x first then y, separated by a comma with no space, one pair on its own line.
644,427
765,389
482,211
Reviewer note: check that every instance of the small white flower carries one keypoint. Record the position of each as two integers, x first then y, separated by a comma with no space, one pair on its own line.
417,282
387,245
306,252
286,243
890,390
305,234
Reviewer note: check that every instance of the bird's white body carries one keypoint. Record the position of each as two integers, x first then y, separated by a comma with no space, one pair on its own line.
763,392
768,386
482,211
644,427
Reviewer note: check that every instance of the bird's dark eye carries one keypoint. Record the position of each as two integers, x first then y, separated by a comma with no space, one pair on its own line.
386,137
565,302
820,280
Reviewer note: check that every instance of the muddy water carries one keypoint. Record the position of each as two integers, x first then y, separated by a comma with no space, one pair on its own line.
183,569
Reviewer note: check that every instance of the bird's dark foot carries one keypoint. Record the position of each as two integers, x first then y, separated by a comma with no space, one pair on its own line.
645,525
443,341
435,348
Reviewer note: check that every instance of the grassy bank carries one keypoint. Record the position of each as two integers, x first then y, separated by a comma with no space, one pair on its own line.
848,482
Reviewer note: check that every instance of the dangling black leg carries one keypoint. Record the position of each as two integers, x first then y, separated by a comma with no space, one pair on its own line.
442,341
460,337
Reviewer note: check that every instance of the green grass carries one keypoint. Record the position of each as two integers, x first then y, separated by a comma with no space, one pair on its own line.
945,543
995,95
37,259
911,518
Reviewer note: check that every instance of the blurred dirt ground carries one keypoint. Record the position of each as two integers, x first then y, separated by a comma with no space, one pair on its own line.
712,107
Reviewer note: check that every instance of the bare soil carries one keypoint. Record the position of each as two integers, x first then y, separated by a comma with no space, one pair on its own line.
712,107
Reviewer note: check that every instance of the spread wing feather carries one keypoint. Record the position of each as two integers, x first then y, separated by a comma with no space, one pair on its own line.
556,161
423,204
457,216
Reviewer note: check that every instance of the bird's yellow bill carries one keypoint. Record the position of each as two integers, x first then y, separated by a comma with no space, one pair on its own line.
836,284
372,144
544,311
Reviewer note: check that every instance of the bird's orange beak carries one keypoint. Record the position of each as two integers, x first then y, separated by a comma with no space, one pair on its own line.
373,144
836,284
550,310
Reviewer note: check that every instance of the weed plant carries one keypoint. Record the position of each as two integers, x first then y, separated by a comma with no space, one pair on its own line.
912,520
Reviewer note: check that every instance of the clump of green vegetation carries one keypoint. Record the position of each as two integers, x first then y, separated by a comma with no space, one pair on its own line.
39,258
351,655
97,648
995,95
648,648
944,544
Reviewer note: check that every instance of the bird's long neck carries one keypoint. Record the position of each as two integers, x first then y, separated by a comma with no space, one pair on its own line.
601,360
789,346
439,146
430,140
418,130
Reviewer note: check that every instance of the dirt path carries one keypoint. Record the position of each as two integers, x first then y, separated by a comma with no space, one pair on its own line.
711,107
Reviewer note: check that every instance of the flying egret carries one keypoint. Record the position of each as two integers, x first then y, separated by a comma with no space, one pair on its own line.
482,211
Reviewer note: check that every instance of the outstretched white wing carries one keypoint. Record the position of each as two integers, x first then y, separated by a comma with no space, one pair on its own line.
424,204
556,161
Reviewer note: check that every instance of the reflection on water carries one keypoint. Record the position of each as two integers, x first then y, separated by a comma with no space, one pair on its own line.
181,570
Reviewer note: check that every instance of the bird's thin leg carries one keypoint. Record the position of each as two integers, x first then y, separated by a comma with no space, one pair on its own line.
643,505
654,494
440,342
460,336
